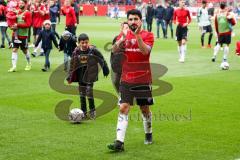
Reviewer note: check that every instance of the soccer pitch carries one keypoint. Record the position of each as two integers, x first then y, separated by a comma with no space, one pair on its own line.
198,120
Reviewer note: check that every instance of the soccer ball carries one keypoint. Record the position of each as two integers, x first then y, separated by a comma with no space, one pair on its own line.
76,115
224,66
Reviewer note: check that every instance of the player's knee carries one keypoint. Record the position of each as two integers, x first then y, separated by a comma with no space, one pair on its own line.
124,108
15,50
145,110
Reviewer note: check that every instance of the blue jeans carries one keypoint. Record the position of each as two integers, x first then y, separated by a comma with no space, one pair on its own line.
47,62
66,61
144,24
4,34
163,25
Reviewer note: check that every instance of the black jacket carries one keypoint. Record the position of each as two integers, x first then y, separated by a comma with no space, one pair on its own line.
47,37
169,13
68,46
150,14
84,65
160,12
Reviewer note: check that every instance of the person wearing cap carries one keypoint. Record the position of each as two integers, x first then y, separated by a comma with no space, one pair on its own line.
67,44
47,36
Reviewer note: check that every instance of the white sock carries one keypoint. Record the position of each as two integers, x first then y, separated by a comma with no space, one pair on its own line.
216,50
28,57
180,51
122,126
147,123
225,52
14,59
38,47
184,49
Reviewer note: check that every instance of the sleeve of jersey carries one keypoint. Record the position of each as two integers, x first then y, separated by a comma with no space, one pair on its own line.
149,40
27,19
174,16
74,16
189,17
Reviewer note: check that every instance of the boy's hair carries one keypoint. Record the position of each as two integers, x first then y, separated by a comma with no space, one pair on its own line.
134,12
204,2
83,37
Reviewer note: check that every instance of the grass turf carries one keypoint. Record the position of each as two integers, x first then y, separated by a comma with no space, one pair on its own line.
198,119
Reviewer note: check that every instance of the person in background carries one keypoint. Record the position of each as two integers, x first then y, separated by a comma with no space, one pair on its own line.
182,19
143,9
71,20
169,18
149,16
160,13
67,44
204,23
47,37
3,24
53,16
22,25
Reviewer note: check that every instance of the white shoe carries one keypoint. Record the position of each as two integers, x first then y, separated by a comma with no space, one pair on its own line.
181,60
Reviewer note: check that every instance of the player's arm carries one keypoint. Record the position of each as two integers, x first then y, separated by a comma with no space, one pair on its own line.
198,15
189,18
27,20
175,17
54,40
145,49
102,62
117,45
74,17
216,24
38,39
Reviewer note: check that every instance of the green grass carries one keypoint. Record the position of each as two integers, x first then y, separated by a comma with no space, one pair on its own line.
198,120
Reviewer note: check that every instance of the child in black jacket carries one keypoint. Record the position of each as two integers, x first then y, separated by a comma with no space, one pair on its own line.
84,70
47,37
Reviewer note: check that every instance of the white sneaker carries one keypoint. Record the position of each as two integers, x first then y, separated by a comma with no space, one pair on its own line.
181,60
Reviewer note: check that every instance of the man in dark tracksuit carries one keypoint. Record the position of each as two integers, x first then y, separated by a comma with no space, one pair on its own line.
53,10
149,16
168,18
84,70
160,12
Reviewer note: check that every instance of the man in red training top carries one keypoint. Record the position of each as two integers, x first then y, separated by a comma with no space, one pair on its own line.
182,19
136,77
71,20
24,21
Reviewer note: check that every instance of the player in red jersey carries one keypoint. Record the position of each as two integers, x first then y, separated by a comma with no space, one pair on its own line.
71,20
136,77
24,21
182,19
38,11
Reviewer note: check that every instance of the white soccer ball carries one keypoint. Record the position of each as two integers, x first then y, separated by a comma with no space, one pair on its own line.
76,115
224,66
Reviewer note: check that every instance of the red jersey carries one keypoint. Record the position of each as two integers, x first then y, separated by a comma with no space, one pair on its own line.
238,48
71,19
136,67
27,21
47,13
38,18
182,15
